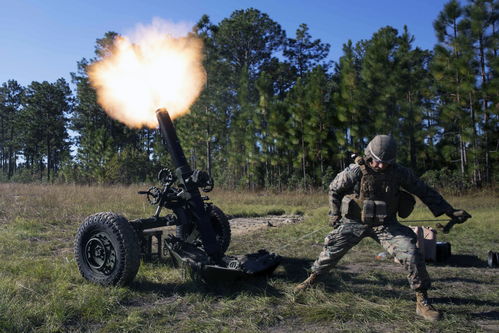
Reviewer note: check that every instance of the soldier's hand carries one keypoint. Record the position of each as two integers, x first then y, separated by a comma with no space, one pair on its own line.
459,215
334,220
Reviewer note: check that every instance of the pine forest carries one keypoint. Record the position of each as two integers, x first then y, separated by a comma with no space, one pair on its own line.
277,114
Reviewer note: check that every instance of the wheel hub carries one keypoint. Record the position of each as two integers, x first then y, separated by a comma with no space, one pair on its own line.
100,253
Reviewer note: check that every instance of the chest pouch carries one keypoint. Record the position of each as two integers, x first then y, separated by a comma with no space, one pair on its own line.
373,212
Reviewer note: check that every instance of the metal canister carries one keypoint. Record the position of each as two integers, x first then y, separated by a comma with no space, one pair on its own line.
443,251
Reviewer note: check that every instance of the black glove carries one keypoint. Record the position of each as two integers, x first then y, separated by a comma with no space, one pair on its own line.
334,220
458,215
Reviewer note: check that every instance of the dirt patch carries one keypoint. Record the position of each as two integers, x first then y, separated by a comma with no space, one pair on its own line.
243,225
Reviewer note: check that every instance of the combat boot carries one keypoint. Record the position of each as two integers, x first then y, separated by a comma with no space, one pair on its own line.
424,308
312,279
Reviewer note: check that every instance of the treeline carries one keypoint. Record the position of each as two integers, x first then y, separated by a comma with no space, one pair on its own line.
276,114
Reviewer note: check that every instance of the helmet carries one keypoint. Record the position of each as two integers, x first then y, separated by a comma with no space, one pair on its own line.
381,149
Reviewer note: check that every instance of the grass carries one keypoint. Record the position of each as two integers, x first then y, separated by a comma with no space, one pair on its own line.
41,289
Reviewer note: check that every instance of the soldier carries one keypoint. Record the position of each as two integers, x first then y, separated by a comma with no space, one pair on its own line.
364,200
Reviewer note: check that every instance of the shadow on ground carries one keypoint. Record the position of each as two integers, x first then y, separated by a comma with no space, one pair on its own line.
457,279
193,283
489,315
297,269
464,301
294,271
463,260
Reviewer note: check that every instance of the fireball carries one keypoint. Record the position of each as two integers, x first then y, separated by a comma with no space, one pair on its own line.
151,71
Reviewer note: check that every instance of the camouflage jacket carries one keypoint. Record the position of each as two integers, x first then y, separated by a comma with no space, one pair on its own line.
348,182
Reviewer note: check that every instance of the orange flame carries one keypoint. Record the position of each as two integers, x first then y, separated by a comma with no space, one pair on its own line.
155,71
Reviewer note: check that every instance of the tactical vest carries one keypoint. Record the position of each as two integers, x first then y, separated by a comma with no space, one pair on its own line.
378,194
378,197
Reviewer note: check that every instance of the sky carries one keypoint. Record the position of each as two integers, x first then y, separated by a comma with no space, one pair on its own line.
42,40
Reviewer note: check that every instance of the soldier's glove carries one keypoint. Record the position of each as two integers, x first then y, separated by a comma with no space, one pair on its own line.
334,220
458,215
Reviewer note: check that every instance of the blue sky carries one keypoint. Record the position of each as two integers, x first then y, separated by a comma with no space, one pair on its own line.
43,39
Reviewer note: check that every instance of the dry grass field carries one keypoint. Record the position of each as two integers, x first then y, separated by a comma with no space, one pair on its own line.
41,289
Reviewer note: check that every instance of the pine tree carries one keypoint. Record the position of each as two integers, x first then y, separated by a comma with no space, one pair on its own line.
380,91
481,18
92,124
271,121
248,38
348,102
10,106
303,53
95,154
46,107
299,116
205,129
454,73
412,80
246,42
319,128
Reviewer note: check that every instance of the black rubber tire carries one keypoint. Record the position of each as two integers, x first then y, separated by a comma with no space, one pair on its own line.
220,225
107,249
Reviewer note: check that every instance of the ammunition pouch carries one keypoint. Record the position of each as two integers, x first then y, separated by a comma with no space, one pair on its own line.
370,212
406,204
374,212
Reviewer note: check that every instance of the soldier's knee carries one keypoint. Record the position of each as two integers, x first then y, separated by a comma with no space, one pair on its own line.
339,236
407,244
408,255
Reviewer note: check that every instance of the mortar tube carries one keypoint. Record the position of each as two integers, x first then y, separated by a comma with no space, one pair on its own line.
183,172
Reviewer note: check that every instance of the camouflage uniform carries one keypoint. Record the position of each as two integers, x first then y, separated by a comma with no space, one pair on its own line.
397,239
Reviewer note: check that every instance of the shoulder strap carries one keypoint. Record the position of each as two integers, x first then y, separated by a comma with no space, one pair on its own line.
359,160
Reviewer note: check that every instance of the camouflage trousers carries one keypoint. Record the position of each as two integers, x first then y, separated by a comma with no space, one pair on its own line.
397,239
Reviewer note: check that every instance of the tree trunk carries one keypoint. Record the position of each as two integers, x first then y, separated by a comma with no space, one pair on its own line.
462,154
49,159
303,163
41,168
11,153
208,146
2,145
484,106
412,139
279,179
10,172
476,165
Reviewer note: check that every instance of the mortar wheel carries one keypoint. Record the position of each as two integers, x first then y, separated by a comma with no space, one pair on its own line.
220,225
107,249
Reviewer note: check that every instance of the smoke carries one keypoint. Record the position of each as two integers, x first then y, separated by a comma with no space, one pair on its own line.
157,66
